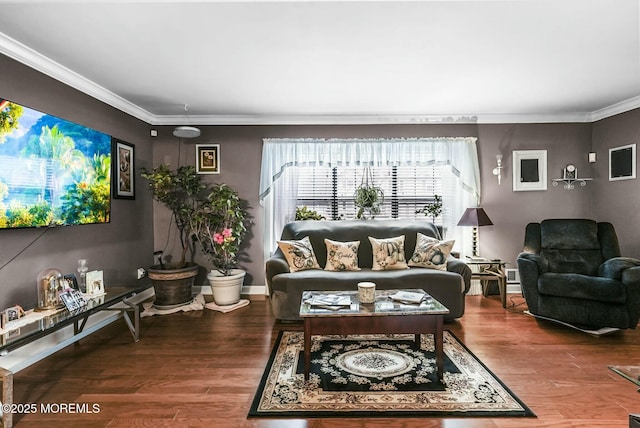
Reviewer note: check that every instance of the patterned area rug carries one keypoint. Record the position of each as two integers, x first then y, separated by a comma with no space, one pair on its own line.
379,375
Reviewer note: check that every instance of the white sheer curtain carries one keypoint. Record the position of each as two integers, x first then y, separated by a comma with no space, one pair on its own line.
278,154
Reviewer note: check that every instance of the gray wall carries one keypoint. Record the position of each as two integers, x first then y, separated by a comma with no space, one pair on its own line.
117,248
617,201
139,227
241,149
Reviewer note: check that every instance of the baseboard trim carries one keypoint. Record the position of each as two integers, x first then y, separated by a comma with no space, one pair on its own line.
247,290
514,289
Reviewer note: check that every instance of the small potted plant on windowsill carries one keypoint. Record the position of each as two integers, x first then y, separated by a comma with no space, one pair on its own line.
433,210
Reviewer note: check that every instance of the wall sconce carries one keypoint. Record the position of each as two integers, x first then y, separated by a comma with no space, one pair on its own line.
497,171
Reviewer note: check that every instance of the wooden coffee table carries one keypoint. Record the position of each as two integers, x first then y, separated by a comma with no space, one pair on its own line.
384,316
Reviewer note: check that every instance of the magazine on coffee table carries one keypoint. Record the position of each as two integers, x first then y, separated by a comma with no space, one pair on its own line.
408,297
330,301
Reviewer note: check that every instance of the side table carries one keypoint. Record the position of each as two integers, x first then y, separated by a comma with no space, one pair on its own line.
487,271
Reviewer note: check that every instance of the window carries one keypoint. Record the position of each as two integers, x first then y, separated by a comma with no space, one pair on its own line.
324,173
330,190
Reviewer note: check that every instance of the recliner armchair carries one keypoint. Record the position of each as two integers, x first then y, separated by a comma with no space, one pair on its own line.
571,270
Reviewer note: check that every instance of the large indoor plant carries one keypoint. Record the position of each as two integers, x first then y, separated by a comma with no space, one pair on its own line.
181,192
219,227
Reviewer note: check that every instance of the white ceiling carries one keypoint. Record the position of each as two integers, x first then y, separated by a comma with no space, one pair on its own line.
260,62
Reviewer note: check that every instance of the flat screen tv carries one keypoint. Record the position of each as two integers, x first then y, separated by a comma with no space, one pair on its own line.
52,172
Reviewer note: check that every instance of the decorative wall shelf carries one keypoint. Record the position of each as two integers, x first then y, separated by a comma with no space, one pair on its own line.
570,177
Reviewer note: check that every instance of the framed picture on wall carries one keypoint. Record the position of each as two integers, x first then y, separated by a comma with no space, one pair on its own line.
208,158
622,163
529,170
122,168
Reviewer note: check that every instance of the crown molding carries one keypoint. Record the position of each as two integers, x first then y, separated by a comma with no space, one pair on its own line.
612,110
373,119
31,58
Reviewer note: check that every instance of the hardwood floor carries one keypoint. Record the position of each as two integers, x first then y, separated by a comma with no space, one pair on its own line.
201,369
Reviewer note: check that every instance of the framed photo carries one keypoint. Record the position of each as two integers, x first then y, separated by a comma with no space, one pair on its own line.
95,282
529,170
622,163
208,158
123,171
72,299
72,281
11,314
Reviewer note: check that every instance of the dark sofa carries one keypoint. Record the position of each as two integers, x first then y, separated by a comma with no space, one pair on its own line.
285,287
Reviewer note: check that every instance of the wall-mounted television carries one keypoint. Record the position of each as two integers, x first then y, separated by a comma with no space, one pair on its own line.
52,171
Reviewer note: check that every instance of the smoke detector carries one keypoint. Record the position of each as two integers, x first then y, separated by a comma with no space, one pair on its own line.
186,132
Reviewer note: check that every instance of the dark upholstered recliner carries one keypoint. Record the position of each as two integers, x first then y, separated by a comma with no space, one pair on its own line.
571,271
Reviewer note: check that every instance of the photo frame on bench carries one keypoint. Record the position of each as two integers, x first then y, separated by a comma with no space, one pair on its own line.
72,299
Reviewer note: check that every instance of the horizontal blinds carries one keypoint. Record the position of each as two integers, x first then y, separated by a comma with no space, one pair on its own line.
330,191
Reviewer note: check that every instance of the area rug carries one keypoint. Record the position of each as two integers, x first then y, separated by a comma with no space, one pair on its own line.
379,375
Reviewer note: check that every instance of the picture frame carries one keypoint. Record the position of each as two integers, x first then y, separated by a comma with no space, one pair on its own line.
72,299
72,281
622,163
529,170
208,158
123,169
95,283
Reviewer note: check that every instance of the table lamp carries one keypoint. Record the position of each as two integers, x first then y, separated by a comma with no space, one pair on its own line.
475,217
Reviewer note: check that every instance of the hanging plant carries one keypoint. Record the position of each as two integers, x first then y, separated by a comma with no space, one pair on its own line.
367,197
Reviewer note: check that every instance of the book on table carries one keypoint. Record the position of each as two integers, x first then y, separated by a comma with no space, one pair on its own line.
330,300
408,297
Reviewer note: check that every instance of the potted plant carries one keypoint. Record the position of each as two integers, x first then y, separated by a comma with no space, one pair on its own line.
367,197
180,191
304,213
433,210
219,227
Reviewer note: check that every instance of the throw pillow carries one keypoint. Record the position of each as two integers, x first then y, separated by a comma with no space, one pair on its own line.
431,253
342,255
388,253
299,254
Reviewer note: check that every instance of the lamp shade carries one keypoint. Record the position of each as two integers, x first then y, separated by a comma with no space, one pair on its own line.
475,217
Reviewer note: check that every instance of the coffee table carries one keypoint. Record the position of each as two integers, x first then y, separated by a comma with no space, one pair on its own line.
384,316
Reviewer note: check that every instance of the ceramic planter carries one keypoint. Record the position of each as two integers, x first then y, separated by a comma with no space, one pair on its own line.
226,289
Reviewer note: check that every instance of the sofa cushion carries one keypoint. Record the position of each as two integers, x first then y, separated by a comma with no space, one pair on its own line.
388,253
576,286
571,246
342,255
431,253
299,254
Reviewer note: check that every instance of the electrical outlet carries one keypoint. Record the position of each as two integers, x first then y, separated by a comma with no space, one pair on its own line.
141,273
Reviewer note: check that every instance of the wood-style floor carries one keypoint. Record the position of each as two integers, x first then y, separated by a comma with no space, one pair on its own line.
201,369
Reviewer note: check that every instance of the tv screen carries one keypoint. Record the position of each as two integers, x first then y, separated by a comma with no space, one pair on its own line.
52,171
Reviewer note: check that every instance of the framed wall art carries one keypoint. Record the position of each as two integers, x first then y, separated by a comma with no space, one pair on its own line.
622,163
208,158
529,170
123,171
